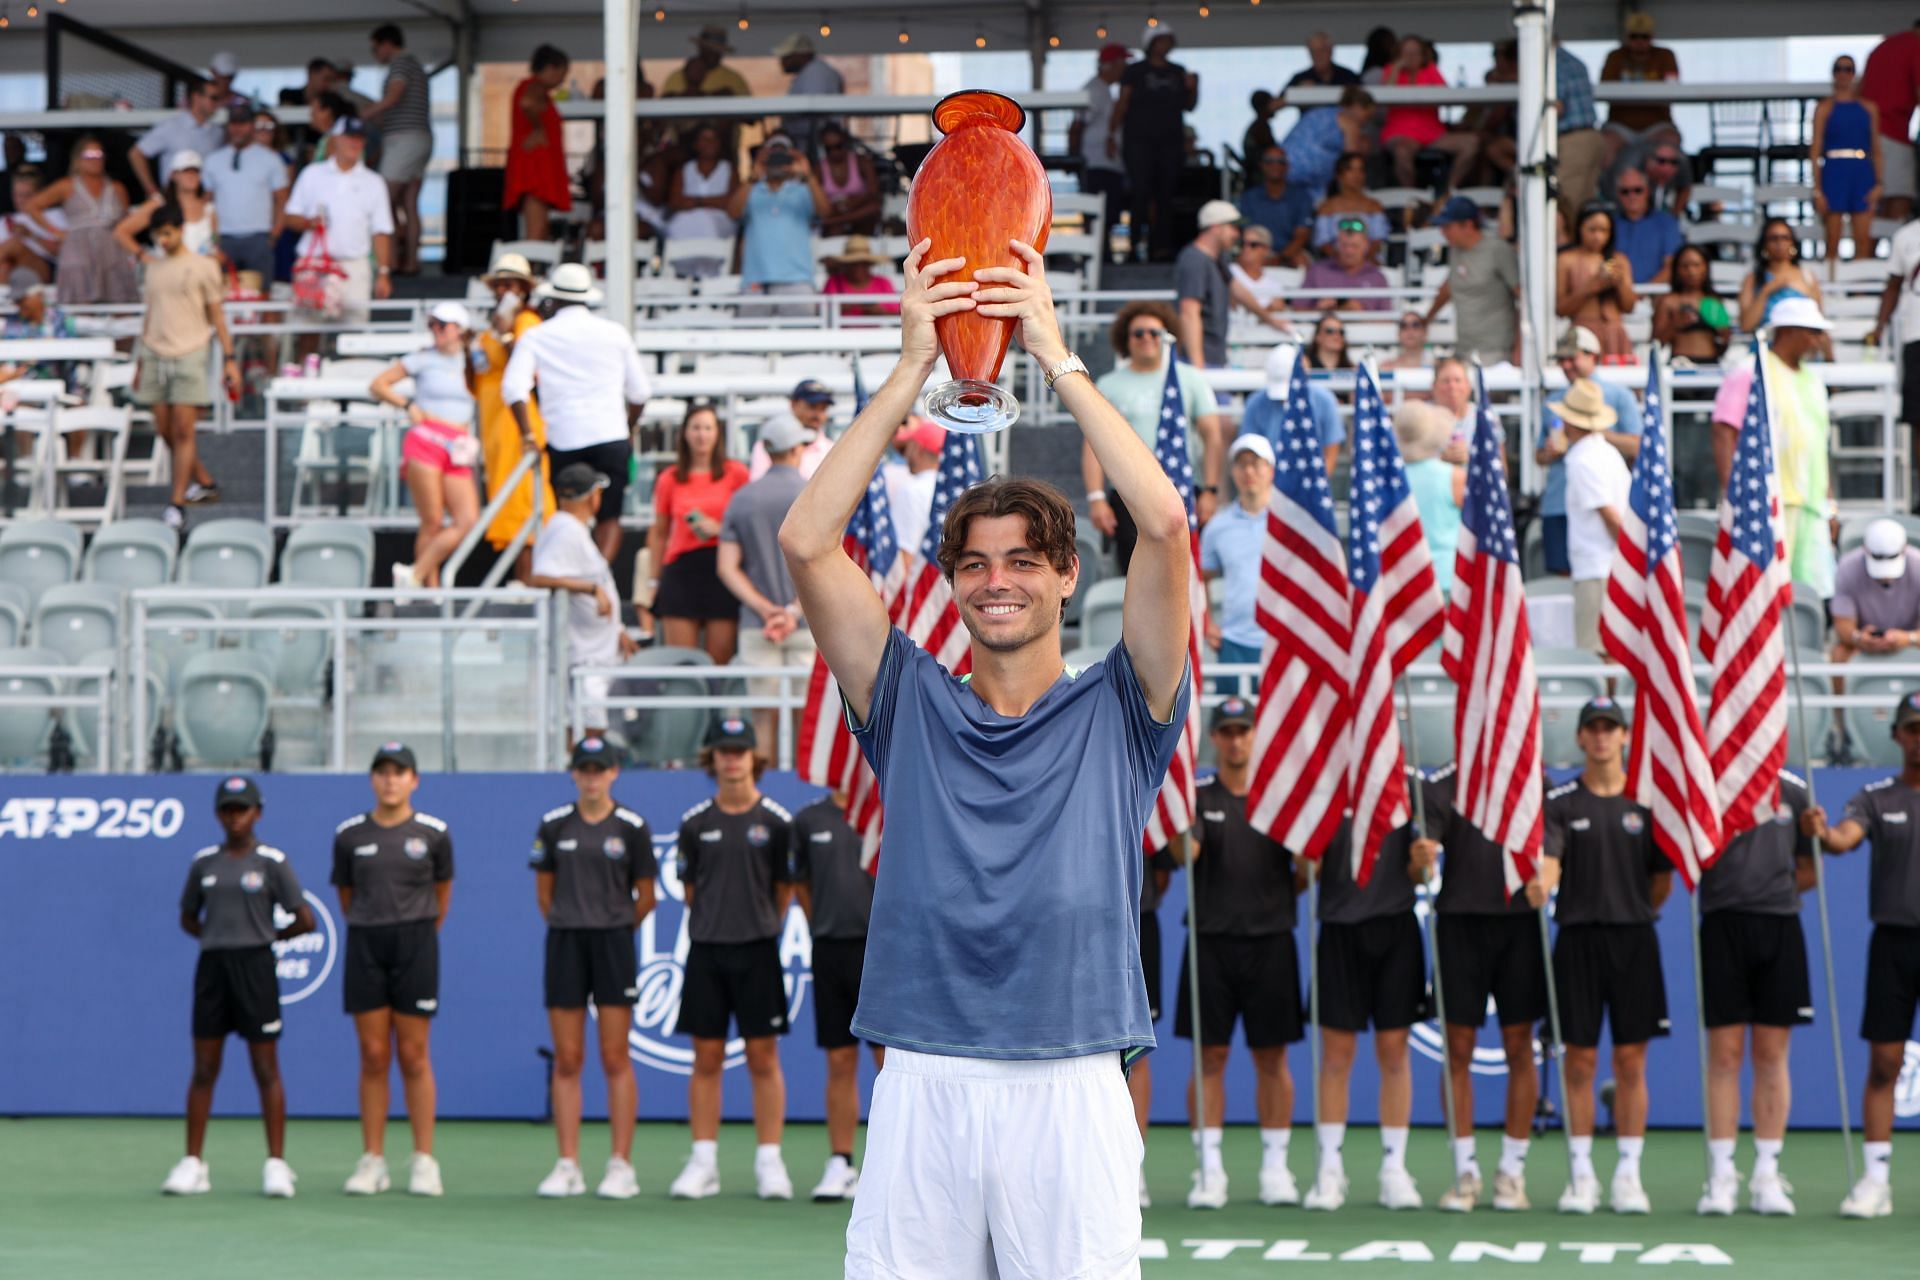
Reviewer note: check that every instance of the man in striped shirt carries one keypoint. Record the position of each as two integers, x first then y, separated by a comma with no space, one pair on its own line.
406,137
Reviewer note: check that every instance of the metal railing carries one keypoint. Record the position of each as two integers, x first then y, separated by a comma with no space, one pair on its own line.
103,700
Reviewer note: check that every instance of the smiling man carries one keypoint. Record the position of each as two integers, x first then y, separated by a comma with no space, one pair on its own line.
1003,965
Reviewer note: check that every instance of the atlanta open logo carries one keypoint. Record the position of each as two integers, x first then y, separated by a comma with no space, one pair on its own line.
303,963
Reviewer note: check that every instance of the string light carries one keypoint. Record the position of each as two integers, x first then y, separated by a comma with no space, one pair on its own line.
1153,19
1100,32
742,23
903,37
979,38
659,15
1053,42
33,11
1205,12
826,26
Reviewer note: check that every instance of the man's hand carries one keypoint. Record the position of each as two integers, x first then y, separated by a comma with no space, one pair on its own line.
1458,453
1214,637
382,285
1100,512
1421,855
1204,505
603,602
230,376
1813,822
1546,878
1024,295
923,299
628,645
778,626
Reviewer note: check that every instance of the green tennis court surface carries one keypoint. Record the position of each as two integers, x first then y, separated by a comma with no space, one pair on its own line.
80,1198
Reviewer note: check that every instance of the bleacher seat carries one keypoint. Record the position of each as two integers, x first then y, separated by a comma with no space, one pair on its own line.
1100,616
1854,531
108,428
1871,727
227,553
298,654
221,706
179,629
1559,718
1698,533
77,618
16,610
667,736
1081,658
328,554
1093,567
133,554
38,554
24,730
538,253
82,720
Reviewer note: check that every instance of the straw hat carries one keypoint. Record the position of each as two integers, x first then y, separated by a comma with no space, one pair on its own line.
1423,429
859,249
1584,408
510,266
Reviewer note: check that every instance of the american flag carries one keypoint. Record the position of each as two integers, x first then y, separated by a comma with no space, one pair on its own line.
1748,592
1644,627
1298,794
1489,655
1173,807
1397,612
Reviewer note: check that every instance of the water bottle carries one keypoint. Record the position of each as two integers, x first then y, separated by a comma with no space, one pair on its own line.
310,367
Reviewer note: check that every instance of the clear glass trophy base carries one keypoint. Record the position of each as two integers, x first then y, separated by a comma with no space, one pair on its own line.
971,406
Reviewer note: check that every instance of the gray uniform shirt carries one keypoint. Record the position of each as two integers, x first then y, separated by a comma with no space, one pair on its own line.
1606,852
1195,275
1890,811
753,521
826,858
1755,872
732,862
1389,891
1482,280
595,866
392,870
234,897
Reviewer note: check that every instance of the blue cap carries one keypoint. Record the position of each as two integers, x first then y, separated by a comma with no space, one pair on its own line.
1234,710
812,391
1603,708
594,752
732,733
1458,209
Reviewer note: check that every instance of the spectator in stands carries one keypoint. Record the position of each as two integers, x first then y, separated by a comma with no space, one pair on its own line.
1579,356
1278,206
1669,179
1347,197
699,198
347,205
1594,283
1231,548
911,481
812,77
439,450
1425,433
1876,594
1597,482
1410,353
567,557
1093,137
1410,130
1483,283
91,267
184,293
847,177
250,185
1351,267
1322,71
1265,410
1453,391
31,244
850,274
592,389
1155,95
186,191
405,117
1252,268
193,129
1259,135
777,208
35,316
773,632
683,545
1802,434
1327,350
1203,280
327,110
704,76
1691,319
1638,60
811,405
1322,138
1494,125
1581,149
1647,237
1136,386
1902,298
501,444
1383,46
1891,81
221,69
1844,149
1777,276
537,183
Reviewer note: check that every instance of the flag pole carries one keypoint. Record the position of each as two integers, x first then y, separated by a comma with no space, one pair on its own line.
1700,1025
1193,999
1558,1050
1433,927
1313,984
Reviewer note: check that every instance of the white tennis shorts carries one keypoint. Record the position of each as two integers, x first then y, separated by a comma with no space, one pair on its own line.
994,1170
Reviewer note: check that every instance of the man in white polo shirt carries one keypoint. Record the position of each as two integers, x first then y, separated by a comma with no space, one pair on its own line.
249,186
592,389
193,129
348,203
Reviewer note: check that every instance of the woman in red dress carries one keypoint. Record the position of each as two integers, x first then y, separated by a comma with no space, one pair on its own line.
536,157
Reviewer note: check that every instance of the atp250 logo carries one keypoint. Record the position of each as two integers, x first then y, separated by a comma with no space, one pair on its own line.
44,817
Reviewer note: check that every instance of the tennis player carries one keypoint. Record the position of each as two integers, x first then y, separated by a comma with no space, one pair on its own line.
393,869
1003,957
232,891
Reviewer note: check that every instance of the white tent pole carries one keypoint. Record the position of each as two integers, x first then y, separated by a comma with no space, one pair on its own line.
621,35
1539,129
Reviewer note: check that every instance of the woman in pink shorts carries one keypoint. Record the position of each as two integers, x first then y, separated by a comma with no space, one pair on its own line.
440,450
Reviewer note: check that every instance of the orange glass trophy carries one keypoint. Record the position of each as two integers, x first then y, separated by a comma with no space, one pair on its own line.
979,187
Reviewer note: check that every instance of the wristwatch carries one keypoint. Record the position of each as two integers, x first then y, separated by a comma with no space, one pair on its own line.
1072,364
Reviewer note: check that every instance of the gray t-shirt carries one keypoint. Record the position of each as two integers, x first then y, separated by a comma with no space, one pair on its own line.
1195,275
440,385
1889,605
413,113
1390,890
1755,872
392,870
238,895
1243,880
1482,280
732,861
1890,811
753,521
1607,854
826,858
1473,879
595,866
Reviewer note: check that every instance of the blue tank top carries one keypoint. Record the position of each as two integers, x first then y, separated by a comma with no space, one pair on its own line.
1848,129
1431,481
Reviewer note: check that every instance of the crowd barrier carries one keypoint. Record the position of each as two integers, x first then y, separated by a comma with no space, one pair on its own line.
95,1008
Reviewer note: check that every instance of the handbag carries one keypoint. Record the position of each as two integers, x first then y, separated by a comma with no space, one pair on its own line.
320,283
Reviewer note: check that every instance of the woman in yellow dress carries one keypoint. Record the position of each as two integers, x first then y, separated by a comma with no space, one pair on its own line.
512,281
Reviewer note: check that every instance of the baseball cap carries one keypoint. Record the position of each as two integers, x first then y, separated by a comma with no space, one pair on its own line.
1575,340
187,160
925,432
577,480
451,312
1639,23
223,64
594,752
1234,710
1457,209
795,43
1603,708
394,753
1154,31
1216,213
1907,711
783,431
1250,443
1113,53
349,127
236,793
1279,371
811,391
732,733
1886,547
1798,313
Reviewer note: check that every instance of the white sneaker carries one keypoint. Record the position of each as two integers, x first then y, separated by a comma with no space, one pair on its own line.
1582,1196
1721,1196
423,1176
838,1182
1209,1191
1627,1195
770,1177
1398,1190
1510,1192
619,1183
1146,1201
696,1182
565,1180
190,1177
174,517
1462,1195
403,577
1771,1194
1329,1189
1277,1185
277,1179
369,1176
1868,1199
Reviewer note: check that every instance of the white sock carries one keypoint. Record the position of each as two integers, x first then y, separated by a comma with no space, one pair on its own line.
1393,1147
1582,1149
766,1151
706,1151
1513,1155
1721,1149
1274,1144
1880,1162
1463,1158
1766,1156
1629,1162
1329,1136
1210,1151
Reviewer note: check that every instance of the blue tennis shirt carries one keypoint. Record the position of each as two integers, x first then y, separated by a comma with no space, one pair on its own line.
1006,914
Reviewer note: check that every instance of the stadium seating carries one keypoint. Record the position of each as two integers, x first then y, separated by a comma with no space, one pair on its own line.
1561,697
1093,567
1854,531
24,730
1698,531
132,553
179,628
1871,726
74,619
82,719
107,428
1083,657
298,656
1100,615
666,736
328,555
221,705
38,554
16,609
227,553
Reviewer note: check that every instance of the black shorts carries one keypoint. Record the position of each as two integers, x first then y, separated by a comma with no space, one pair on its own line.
236,991
1493,957
690,587
1611,971
1372,972
1754,970
392,966
1150,959
610,459
597,963
837,965
1893,984
1253,979
741,980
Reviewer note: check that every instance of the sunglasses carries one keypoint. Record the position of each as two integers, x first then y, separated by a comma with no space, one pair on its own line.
1350,224
1631,191
1145,331
263,126
91,154
1412,324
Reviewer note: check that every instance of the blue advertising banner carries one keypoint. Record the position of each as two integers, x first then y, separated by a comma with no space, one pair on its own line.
99,974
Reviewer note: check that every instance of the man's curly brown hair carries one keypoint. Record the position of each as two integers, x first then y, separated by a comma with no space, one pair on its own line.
1048,514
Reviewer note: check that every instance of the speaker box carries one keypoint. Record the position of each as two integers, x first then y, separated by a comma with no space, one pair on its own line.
474,217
